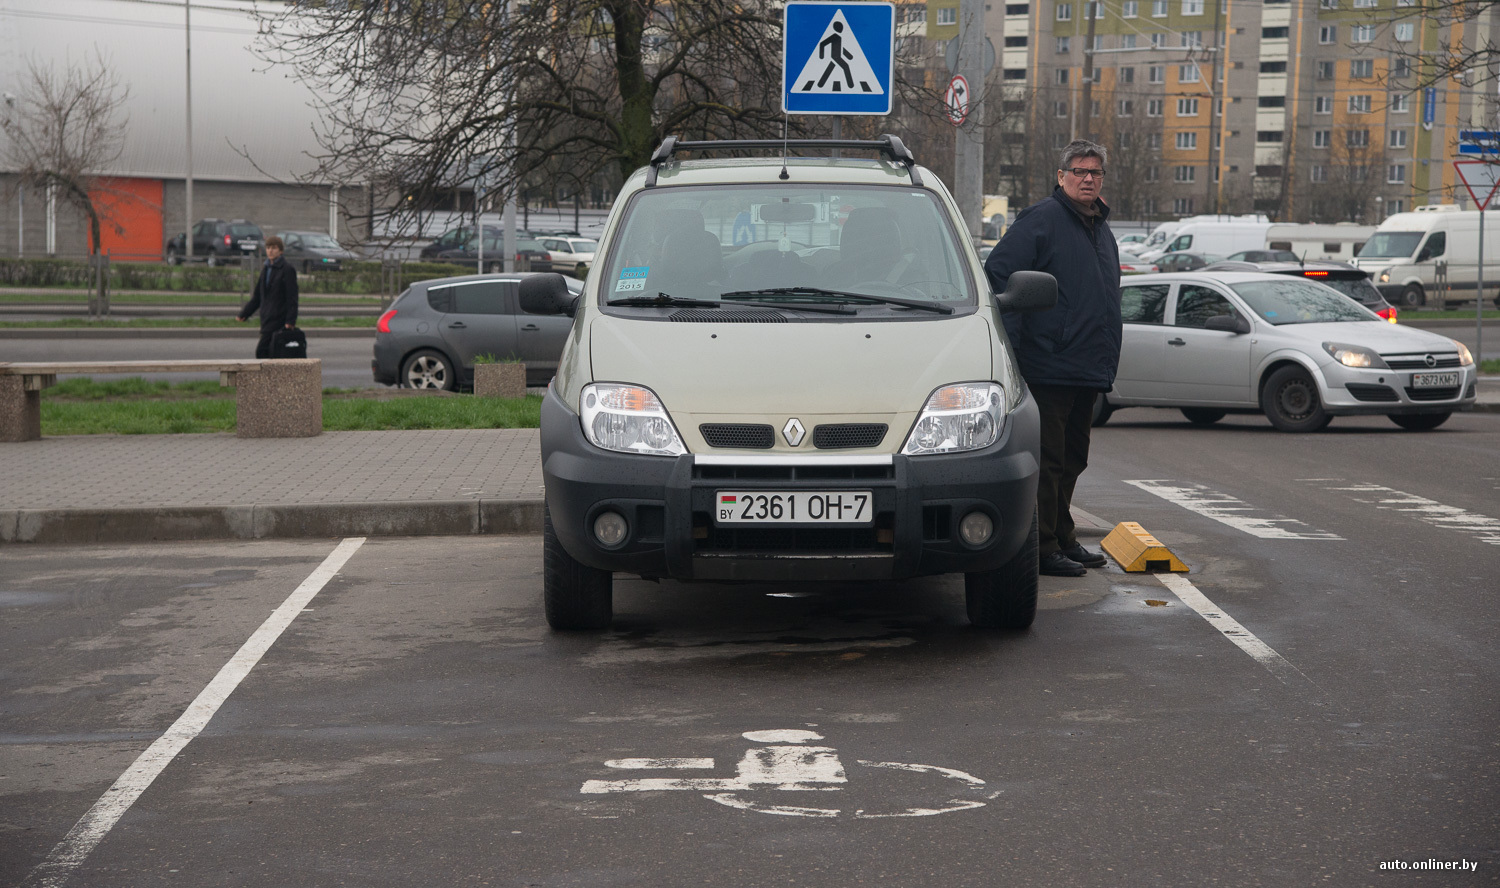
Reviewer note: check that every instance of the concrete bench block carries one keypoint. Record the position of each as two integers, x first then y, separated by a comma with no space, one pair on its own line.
20,411
283,399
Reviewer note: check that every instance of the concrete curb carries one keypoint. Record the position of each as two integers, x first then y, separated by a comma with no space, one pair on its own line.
257,522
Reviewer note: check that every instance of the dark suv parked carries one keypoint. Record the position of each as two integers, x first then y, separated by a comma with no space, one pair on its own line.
217,241
1345,278
431,333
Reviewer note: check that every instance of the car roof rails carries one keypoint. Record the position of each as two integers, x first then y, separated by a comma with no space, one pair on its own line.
889,145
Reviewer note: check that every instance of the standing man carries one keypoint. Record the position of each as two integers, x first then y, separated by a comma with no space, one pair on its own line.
275,296
1069,353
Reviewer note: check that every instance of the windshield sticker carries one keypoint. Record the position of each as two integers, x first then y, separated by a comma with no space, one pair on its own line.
632,279
1268,313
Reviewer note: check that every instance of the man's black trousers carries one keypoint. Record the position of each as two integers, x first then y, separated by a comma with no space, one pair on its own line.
1067,418
263,347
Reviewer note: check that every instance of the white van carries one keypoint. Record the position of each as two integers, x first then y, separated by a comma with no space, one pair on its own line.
1409,252
1164,235
1336,243
1219,238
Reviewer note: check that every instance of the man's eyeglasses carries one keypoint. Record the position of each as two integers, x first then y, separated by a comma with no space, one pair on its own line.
1084,173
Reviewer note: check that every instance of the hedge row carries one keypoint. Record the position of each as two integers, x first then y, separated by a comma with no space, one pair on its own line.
357,278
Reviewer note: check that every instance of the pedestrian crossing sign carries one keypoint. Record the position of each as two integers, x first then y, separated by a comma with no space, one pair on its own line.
838,58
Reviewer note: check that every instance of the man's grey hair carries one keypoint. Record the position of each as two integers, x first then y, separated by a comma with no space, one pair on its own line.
1082,148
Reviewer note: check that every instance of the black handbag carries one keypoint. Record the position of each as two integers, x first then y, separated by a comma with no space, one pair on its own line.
289,343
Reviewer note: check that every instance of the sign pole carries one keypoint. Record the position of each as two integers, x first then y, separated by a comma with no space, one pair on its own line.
1479,299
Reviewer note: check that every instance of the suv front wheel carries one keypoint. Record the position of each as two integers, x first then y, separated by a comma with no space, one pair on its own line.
1005,598
574,595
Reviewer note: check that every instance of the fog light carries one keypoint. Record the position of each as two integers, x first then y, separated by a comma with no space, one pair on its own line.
976,528
610,529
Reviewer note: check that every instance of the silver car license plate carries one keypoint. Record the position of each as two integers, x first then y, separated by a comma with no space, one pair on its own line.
1433,380
848,507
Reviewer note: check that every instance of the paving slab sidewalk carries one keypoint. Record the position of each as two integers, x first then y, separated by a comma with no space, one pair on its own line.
132,488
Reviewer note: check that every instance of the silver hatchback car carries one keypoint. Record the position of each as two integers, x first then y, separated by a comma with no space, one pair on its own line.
1212,343
429,336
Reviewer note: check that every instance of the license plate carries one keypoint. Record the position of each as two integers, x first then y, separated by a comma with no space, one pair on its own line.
1433,380
795,507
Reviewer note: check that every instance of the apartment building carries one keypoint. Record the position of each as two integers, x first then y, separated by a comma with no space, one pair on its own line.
1309,110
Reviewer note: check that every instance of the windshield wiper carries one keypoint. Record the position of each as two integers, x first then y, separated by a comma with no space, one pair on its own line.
664,300
819,292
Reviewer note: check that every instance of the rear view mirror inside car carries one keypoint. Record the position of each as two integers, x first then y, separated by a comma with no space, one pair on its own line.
788,212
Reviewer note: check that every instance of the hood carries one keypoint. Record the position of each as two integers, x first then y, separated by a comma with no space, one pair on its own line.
1384,337
819,372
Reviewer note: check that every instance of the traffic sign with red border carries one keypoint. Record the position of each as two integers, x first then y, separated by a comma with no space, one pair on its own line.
957,100
1480,177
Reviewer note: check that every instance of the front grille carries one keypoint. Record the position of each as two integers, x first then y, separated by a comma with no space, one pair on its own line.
742,436
1367,392
1435,394
795,473
838,437
716,316
1418,362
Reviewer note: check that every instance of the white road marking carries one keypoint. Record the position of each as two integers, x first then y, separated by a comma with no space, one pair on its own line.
107,811
706,764
1226,509
1487,529
793,767
1262,653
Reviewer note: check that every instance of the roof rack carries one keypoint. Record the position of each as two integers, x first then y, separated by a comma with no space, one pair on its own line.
889,145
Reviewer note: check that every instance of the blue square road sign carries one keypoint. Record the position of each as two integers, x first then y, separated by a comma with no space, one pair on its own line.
838,58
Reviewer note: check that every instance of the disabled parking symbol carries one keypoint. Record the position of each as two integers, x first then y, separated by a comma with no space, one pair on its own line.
790,762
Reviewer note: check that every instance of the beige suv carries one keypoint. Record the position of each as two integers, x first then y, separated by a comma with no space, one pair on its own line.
788,369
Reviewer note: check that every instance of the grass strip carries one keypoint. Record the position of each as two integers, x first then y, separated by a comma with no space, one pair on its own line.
1454,314
160,323
1489,365
76,298
137,407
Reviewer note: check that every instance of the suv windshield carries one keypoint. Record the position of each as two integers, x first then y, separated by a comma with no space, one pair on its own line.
702,242
240,229
1390,245
1300,302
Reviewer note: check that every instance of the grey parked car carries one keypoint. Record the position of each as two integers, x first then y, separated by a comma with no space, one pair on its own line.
429,336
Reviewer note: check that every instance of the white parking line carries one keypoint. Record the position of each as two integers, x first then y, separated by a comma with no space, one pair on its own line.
1487,529
1231,629
1226,509
107,811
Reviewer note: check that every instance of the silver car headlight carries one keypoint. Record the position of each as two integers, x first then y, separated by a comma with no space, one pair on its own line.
1355,356
1465,357
628,419
965,416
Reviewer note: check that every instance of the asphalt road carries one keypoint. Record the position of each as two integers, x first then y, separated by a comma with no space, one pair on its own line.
416,723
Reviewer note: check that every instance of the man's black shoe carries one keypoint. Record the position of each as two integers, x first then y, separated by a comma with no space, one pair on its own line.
1057,564
1084,557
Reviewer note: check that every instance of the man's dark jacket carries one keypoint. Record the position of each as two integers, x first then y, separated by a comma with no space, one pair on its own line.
275,295
1078,342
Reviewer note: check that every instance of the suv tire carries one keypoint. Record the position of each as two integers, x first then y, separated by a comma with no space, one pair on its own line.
428,369
574,595
1290,401
1203,416
1005,598
1419,422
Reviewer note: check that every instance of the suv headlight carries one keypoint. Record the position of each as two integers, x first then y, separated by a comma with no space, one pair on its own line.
966,416
628,419
1354,356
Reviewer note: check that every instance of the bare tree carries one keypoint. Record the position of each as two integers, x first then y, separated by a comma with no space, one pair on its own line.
1473,61
67,127
1344,189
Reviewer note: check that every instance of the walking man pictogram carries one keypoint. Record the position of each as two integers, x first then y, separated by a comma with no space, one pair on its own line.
839,56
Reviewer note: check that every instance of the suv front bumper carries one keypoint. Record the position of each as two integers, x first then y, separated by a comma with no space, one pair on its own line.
669,503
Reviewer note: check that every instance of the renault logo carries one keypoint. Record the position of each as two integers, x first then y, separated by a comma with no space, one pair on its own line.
793,431
1430,361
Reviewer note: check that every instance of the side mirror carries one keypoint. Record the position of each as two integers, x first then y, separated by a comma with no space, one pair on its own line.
547,294
1227,324
1028,291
